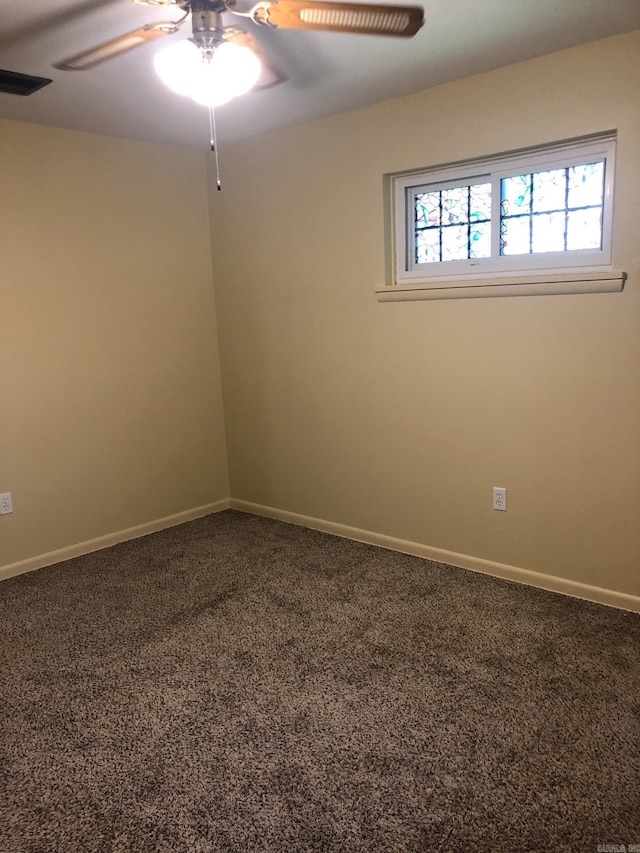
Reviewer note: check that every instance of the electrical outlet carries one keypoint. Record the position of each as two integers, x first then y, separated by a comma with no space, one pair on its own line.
6,504
500,499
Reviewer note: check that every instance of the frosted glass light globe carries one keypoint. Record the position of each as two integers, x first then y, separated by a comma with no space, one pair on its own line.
209,87
232,70
238,66
178,66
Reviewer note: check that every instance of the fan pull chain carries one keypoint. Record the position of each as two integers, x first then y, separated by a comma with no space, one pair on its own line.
214,144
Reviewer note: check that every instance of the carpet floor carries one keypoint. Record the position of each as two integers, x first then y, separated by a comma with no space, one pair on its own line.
239,684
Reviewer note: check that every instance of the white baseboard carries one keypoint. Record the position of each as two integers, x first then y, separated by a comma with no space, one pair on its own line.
488,567
48,559
476,564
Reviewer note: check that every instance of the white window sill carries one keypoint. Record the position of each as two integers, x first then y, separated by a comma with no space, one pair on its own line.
529,285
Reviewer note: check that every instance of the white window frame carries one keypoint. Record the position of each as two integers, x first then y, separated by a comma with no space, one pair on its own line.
588,269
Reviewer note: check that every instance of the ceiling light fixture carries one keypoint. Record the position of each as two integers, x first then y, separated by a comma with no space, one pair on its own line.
211,76
209,67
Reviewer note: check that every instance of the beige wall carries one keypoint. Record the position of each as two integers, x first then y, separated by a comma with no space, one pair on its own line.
111,413
399,418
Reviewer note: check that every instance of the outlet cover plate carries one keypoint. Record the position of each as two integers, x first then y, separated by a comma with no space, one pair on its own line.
6,504
500,498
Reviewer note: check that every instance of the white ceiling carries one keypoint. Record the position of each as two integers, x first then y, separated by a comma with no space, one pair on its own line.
328,73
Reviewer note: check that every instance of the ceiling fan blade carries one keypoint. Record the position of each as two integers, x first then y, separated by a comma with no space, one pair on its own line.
366,18
273,74
114,47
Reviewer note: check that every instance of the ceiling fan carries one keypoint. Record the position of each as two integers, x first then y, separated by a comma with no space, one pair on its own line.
221,61
209,32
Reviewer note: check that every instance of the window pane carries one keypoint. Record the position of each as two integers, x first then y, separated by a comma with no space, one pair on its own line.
585,184
584,229
516,195
548,232
428,246
455,205
514,236
480,202
453,224
427,209
454,243
480,240
556,191
549,191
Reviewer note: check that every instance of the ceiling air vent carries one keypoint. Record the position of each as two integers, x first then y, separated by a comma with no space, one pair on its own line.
21,84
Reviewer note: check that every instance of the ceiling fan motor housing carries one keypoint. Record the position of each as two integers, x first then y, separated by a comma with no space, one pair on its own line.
206,23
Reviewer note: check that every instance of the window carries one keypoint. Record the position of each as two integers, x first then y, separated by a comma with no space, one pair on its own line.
543,215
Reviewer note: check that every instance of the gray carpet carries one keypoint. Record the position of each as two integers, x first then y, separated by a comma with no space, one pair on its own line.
239,684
